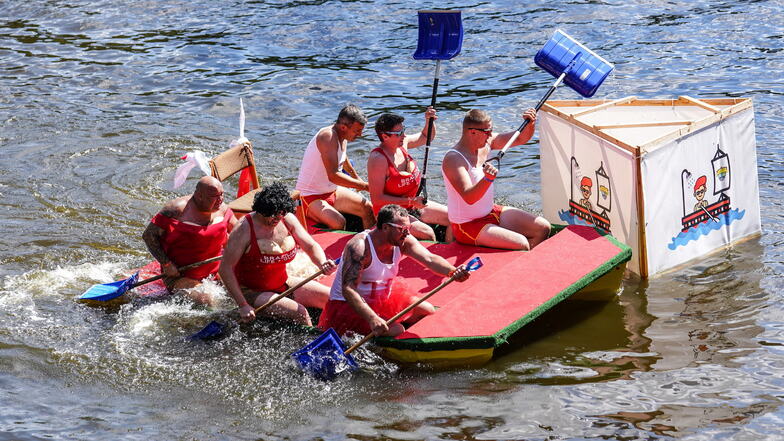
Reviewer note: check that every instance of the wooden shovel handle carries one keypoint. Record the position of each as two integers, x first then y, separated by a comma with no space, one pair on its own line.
287,292
403,312
182,268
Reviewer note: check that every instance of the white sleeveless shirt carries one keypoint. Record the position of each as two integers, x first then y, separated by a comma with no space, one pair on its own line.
458,210
312,174
375,280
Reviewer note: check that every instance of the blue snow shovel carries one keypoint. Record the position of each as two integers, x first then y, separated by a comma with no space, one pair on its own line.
571,63
440,38
325,357
107,291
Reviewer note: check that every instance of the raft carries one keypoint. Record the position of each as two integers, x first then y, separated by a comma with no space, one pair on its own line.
475,317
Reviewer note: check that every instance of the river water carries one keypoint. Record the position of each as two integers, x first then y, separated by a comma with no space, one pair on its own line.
99,99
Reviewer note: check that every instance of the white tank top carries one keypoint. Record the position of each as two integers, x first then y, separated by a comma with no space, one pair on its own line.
458,210
375,280
312,174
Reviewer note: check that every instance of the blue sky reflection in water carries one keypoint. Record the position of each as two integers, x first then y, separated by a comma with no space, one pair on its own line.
98,100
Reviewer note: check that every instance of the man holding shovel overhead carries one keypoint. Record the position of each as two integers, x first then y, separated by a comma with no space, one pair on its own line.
468,178
187,230
365,292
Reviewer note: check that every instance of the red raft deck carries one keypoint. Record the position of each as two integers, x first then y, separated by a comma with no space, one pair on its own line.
509,291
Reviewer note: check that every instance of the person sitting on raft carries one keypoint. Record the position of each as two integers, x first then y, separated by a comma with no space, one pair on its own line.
322,186
475,219
254,262
365,293
394,178
187,230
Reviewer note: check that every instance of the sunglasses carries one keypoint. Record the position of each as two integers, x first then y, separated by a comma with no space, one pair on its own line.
400,132
485,131
401,228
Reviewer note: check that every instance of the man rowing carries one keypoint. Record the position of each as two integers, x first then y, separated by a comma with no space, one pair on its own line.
187,230
475,218
365,293
394,178
253,269
323,187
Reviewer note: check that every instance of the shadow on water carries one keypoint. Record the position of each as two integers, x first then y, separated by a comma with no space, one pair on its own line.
579,341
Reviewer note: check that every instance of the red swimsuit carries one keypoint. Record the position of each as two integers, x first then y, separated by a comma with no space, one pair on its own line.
263,272
397,184
186,243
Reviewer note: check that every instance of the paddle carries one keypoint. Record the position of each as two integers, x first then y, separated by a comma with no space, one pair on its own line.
107,291
440,38
215,329
709,215
571,63
326,357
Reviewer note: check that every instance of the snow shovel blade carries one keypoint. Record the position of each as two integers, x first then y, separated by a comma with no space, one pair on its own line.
107,291
440,35
212,330
588,72
325,357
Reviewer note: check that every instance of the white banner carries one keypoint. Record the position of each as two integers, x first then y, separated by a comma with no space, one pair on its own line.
587,181
701,192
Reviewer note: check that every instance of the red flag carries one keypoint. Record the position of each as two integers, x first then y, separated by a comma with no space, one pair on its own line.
244,184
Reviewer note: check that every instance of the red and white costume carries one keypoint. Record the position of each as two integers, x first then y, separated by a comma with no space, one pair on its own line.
377,286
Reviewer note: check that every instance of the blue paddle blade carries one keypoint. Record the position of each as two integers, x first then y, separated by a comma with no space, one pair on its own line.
108,291
325,357
440,35
212,330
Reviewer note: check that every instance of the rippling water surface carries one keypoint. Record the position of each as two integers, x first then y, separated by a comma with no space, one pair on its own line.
99,99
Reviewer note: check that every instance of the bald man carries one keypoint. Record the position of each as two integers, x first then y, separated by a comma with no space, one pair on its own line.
190,229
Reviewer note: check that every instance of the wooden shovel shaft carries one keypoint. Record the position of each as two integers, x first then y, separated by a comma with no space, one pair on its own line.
423,184
287,292
403,312
182,268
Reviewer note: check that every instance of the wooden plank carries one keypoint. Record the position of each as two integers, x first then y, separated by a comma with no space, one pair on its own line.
682,122
590,129
700,103
740,106
642,245
604,106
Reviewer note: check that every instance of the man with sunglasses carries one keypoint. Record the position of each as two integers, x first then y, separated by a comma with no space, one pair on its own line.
468,178
699,193
365,292
323,187
394,178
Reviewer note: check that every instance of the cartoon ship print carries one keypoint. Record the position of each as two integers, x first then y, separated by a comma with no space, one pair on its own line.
584,208
703,211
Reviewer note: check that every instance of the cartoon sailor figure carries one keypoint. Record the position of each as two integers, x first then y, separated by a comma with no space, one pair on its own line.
699,193
585,188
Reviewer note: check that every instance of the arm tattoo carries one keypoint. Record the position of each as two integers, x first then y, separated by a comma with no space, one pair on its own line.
152,238
356,261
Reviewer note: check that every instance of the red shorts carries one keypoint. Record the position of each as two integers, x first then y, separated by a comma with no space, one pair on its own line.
304,204
340,316
467,232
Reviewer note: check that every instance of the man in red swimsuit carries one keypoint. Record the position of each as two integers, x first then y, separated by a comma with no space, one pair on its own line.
190,229
254,260
394,178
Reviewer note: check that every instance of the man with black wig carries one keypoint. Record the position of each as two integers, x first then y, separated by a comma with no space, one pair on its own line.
254,259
